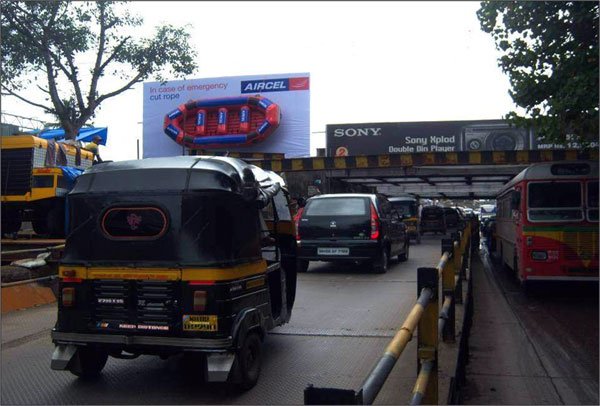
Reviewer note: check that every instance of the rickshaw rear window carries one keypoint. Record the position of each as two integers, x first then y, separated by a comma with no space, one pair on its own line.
134,223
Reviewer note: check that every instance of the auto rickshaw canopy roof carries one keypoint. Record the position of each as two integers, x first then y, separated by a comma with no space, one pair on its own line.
180,173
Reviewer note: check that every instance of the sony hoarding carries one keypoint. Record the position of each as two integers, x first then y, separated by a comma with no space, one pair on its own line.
427,136
289,91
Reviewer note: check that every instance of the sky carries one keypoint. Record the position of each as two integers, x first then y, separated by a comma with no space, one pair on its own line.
413,61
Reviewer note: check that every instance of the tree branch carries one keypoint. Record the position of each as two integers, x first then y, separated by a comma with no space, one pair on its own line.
10,92
136,79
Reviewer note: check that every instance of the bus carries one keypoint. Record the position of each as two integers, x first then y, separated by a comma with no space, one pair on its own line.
547,222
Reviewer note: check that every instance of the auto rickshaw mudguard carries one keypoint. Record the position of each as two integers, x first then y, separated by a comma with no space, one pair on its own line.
249,319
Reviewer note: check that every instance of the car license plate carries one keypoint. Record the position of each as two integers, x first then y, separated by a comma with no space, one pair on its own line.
333,251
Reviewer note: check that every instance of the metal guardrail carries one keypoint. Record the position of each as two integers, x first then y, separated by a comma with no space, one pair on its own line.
429,322
34,250
28,281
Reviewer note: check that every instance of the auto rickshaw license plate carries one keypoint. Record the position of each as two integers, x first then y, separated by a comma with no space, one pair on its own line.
199,323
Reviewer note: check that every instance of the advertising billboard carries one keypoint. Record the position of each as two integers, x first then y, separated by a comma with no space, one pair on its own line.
248,114
426,136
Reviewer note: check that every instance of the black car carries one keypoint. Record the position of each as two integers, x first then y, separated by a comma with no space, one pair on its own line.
453,216
433,219
351,227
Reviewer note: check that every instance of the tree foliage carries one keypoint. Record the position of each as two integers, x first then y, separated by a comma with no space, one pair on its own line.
78,54
550,54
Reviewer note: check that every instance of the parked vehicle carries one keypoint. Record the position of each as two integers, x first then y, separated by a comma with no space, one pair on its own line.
487,210
351,227
453,217
36,176
172,255
408,208
547,222
433,219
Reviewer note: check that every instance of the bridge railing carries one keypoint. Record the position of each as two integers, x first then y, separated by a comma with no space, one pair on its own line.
432,315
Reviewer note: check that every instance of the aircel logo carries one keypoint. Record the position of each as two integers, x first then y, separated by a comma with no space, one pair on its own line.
356,132
275,85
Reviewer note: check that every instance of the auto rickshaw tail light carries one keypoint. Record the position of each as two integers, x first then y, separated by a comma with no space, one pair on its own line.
374,223
68,297
199,300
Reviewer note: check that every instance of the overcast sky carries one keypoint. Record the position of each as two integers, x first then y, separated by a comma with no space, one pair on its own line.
368,61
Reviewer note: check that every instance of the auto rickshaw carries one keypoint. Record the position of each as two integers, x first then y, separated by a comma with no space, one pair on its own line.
171,255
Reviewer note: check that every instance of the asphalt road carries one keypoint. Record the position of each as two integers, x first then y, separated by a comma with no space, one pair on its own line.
343,319
538,346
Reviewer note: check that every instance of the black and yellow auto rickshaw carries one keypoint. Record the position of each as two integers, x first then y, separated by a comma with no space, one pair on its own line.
172,255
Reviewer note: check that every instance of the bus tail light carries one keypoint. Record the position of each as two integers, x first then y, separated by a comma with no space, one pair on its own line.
199,300
68,297
529,241
374,223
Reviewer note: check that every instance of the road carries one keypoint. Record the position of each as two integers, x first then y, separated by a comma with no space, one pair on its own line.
533,347
342,321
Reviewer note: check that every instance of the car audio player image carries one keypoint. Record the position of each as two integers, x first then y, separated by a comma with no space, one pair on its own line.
494,137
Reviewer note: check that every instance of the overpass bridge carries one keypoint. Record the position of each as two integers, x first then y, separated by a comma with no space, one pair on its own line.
458,175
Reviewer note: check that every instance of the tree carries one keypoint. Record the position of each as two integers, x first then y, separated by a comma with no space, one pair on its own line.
52,40
550,53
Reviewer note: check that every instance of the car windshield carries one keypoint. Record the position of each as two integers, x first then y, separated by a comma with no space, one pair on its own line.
592,201
554,201
405,207
339,206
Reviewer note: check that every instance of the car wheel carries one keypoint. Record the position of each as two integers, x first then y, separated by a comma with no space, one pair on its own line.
381,266
404,257
302,265
89,362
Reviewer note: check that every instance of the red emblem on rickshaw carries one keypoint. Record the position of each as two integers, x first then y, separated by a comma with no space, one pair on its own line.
134,221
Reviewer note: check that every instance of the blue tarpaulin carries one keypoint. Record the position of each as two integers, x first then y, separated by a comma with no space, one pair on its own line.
86,134
70,174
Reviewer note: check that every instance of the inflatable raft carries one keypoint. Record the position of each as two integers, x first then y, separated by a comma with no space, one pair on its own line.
224,122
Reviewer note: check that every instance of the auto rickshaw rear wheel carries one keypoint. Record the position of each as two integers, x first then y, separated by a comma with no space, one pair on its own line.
88,363
248,360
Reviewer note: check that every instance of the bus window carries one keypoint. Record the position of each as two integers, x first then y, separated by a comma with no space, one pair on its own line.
592,201
515,200
554,201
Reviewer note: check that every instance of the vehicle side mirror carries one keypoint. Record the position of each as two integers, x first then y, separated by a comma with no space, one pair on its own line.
515,200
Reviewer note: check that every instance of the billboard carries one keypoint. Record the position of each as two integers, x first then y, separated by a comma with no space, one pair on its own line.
426,136
229,103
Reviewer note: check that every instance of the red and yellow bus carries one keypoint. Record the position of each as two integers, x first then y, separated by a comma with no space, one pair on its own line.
547,222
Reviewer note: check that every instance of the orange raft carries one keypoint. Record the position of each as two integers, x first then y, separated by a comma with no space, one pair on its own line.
224,122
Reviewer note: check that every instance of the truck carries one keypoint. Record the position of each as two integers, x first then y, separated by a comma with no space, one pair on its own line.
36,176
